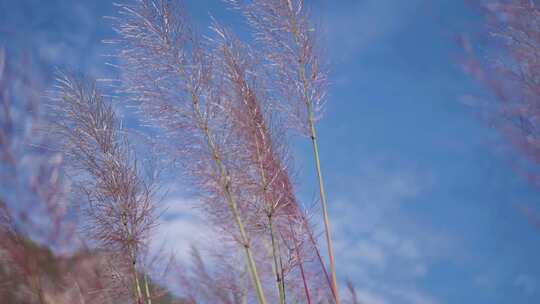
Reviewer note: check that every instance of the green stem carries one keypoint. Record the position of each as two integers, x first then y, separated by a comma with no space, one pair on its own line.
282,270
269,212
133,261
147,290
300,263
327,230
137,283
278,273
318,252
233,205
313,135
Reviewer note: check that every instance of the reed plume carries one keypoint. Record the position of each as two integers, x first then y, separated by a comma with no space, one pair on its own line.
505,61
169,71
262,135
289,42
119,208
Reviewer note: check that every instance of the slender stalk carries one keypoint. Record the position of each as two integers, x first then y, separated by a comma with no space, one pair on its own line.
352,291
133,257
327,230
326,219
282,271
278,272
136,280
300,264
313,135
119,200
232,204
147,290
319,257
270,211
245,242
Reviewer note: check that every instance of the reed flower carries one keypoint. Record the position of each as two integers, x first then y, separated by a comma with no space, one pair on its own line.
290,46
169,71
506,62
119,208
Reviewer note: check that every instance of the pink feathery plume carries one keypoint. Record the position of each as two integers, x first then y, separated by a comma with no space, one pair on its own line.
118,199
263,138
288,42
505,60
170,74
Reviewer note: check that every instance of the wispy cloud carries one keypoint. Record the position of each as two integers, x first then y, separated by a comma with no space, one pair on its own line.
378,242
358,24
180,228
58,33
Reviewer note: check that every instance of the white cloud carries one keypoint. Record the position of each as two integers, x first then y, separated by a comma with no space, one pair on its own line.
387,295
370,253
378,242
359,24
180,228
383,254
366,296
413,296
408,249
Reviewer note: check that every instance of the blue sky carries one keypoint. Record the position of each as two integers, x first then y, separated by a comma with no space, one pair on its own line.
424,201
